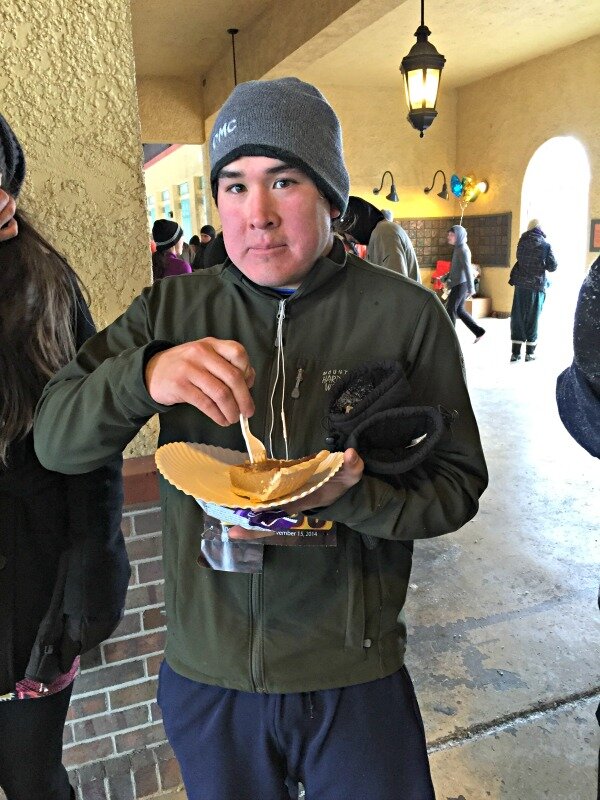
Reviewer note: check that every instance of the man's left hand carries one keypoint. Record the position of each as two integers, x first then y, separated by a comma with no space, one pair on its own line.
8,225
348,476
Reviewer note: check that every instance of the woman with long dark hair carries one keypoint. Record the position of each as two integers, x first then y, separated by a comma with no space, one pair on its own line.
63,564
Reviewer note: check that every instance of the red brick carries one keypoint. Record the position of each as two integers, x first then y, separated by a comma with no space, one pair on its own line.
154,618
134,647
148,547
94,704
153,663
146,781
127,526
149,571
131,623
155,712
170,775
89,752
131,695
121,787
67,736
94,727
142,737
113,675
91,659
140,596
147,522
93,790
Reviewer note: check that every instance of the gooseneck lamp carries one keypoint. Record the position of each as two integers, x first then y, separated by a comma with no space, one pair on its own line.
444,193
393,195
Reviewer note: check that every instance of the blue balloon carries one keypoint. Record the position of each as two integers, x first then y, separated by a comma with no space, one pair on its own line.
456,186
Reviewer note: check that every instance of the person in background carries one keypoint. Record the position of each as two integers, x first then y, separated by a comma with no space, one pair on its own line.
8,223
207,235
578,387
460,281
167,261
387,243
194,245
528,276
63,565
186,252
295,671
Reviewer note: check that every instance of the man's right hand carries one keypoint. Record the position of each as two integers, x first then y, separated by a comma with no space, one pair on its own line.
214,375
8,225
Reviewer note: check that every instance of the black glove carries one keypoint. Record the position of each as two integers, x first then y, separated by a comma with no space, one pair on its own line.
369,411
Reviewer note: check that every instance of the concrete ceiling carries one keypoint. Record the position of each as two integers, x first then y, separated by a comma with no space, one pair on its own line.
477,38
183,38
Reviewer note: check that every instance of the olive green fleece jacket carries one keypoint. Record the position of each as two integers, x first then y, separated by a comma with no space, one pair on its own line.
315,618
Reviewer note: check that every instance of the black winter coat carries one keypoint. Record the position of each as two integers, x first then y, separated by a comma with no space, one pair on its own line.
63,564
534,259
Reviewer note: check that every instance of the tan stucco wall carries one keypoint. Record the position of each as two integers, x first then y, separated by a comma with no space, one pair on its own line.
171,110
67,86
377,137
502,120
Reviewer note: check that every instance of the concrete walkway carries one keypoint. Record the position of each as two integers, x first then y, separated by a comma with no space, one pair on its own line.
503,619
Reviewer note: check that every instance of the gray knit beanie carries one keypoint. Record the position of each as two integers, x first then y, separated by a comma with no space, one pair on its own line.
12,160
285,119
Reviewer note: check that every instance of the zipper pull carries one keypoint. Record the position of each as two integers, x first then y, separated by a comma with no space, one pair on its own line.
280,318
296,389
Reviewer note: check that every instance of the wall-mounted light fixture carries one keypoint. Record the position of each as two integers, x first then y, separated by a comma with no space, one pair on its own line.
444,193
393,195
232,32
422,70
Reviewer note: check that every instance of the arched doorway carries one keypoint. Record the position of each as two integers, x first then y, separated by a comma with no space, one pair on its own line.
556,191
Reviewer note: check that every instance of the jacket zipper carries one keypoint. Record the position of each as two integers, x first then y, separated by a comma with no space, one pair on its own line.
296,389
257,675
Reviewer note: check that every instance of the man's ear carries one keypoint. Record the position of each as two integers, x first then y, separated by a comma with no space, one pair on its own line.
334,212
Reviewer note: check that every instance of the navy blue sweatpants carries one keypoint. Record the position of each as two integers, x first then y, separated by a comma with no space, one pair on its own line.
363,742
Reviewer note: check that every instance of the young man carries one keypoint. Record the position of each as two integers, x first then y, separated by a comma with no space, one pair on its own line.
296,671
207,235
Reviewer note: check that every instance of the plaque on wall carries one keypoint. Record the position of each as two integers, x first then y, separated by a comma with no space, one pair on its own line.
488,237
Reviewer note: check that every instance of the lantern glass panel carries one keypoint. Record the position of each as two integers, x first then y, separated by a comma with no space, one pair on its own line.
422,87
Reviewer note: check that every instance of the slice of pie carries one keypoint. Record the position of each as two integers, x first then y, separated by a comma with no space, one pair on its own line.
273,478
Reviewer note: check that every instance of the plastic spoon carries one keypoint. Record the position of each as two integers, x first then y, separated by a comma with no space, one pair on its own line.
256,449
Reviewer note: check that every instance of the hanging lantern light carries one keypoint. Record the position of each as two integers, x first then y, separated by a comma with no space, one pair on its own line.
422,70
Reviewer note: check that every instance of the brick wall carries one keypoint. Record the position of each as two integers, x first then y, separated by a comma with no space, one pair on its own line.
114,743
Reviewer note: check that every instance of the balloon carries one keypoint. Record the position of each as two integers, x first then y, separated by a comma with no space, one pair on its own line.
456,186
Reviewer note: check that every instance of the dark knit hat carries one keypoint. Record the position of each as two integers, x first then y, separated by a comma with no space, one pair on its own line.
361,218
166,233
208,230
12,160
285,119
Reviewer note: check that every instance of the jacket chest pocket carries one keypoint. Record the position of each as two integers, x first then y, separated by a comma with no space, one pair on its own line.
306,404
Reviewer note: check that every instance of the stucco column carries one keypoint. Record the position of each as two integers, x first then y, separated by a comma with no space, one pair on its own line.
67,87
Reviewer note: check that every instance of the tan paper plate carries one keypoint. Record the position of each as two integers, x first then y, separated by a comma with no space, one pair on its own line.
202,471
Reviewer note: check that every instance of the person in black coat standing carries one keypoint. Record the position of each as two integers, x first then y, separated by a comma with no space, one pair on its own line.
528,276
63,564
578,387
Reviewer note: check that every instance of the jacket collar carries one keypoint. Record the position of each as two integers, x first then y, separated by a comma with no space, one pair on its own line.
323,270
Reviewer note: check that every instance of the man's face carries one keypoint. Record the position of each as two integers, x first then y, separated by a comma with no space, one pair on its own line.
275,221
451,238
